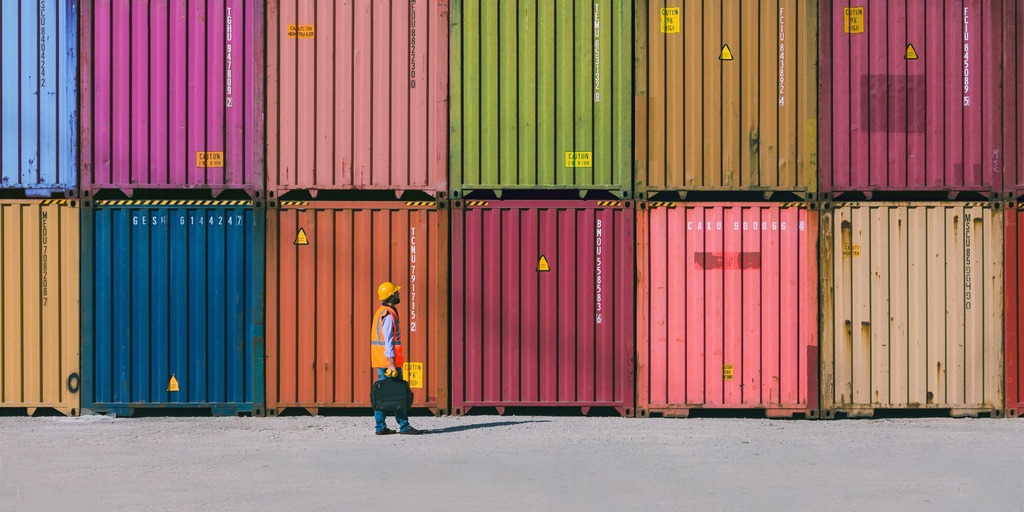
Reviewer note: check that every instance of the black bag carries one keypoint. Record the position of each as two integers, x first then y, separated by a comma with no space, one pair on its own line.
391,394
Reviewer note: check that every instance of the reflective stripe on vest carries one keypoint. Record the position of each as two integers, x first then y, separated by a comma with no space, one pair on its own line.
377,357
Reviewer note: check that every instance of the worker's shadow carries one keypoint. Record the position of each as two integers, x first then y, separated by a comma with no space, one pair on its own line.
460,428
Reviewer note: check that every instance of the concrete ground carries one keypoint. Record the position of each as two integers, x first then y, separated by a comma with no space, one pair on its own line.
510,463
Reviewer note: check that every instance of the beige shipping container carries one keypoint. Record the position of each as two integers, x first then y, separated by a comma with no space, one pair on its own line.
39,294
912,307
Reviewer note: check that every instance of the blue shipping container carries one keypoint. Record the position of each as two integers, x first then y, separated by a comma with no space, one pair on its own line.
173,289
39,96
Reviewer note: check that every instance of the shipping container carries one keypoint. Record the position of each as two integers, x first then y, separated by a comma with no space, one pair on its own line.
542,304
39,337
911,97
1014,316
38,97
1013,96
912,307
324,263
358,94
727,308
172,96
172,306
726,96
541,95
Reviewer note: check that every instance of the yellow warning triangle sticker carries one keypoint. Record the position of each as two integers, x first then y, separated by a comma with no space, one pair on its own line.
173,384
300,239
726,53
911,53
542,265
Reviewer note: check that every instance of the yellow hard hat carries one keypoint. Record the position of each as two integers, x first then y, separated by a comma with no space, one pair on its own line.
386,289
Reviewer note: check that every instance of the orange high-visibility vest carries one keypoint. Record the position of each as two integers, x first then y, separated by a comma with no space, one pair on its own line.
377,357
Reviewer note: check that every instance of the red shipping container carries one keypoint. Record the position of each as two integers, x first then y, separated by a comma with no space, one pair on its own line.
1013,94
358,95
324,263
911,97
542,304
172,96
727,308
1013,271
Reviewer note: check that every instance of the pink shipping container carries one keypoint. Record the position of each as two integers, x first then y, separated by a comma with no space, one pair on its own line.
358,95
542,304
727,308
1013,94
172,96
912,99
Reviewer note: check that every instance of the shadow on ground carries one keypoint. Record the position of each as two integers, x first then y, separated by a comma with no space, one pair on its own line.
460,428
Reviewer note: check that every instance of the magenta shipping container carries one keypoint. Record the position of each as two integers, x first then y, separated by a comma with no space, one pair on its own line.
542,305
912,97
727,308
172,95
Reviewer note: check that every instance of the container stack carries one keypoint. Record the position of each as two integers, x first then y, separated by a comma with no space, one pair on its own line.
1012,112
357,133
542,211
916,161
172,191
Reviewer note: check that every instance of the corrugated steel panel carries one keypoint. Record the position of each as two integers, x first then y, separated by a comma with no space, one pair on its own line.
38,96
727,302
359,98
1014,312
912,305
542,304
39,338
1013,95
541,95
893,122
172,95
727,96
173,288
324,263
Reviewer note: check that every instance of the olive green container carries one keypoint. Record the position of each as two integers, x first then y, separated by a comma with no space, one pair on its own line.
541,96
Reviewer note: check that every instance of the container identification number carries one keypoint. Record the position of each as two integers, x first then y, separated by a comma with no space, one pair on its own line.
412,279
782,57
599,270
412,44
967,261
227,80
45,270
194,220
746,226
597,53
967,65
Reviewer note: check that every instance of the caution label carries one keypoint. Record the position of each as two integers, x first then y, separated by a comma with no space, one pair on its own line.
851,250
542,265
300,237
302,31
209,159
853,20
726,372
579,159
670,20
172,385
726,53
413,373
911,53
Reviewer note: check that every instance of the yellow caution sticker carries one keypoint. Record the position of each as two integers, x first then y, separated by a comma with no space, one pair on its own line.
726,53
670,20
300,237
851,250
413,373
579,159
853,20
726,372
542,265
301,31
173,384
911,53
209,159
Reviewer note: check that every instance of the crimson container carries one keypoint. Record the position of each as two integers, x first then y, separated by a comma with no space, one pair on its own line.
542,304
1014,313
890,123
727,308
1013,94
358,99
321,297
172,96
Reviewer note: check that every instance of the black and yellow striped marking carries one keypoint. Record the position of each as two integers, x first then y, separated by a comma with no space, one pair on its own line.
609,203
978,204
48,202
476,203
661,204
159,202
793,205
419,203
294,203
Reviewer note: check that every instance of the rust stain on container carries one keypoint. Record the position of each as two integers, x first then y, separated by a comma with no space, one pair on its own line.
704,123
929,299
321,297
758,320
39,320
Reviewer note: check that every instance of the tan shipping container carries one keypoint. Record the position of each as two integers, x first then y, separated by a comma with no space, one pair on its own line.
39,290
726,96
912,307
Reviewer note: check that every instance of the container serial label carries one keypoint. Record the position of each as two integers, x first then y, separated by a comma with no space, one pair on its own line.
413,277
45,257
302,31
579,159
853,20
670,20
599,270
851,250
726,372
413,373
209,159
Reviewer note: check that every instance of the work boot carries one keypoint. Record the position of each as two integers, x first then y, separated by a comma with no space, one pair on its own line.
385,432
411,431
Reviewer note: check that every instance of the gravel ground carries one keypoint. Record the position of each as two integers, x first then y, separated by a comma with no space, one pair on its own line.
510,463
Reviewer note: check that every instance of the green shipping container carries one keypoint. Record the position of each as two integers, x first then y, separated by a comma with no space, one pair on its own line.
541,95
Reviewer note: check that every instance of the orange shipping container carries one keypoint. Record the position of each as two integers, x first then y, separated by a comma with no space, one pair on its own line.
324,263
39,290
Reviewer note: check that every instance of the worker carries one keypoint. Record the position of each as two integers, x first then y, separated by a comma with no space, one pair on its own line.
386,352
